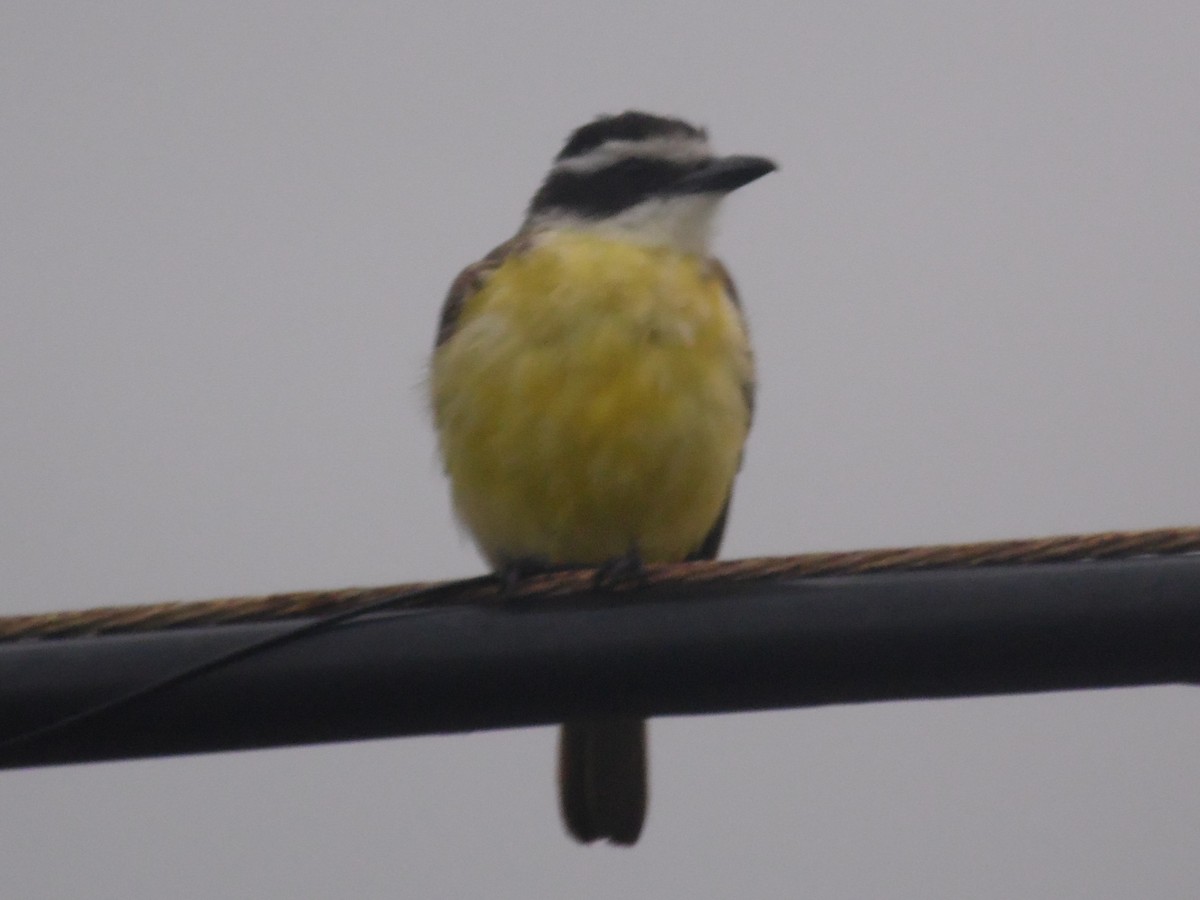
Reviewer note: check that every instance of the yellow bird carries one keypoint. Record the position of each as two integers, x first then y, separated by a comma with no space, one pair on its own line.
592,387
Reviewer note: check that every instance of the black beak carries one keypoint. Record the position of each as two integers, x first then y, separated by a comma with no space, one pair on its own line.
723,174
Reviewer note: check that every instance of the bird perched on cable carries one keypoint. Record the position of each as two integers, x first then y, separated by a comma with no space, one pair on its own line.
592,387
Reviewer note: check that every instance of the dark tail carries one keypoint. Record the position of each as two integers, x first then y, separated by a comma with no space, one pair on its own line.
602,779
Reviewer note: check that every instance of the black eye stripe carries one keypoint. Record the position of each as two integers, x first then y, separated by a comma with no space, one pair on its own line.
607,191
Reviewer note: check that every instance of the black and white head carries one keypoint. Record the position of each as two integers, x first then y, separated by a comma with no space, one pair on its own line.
641,177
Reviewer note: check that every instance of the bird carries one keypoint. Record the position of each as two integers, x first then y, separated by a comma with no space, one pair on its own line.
592,387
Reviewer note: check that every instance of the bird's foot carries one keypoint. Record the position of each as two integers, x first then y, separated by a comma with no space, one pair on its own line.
514,571
626,569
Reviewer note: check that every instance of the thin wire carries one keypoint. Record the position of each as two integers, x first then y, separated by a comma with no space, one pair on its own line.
253,648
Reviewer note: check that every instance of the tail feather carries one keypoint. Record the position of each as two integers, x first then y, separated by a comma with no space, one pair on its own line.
602,779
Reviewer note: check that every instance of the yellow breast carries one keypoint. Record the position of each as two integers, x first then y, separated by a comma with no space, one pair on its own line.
591,401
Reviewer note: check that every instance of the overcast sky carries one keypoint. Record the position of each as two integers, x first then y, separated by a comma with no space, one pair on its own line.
973,284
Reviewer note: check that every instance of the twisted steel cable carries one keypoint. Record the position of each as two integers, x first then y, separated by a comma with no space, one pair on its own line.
307,604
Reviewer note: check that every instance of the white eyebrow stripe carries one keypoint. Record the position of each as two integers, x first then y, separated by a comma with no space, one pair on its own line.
670,149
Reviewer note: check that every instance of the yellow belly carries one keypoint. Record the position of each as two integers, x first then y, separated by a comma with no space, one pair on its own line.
592,401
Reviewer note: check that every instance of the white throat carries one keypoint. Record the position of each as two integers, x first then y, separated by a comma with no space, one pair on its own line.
683,223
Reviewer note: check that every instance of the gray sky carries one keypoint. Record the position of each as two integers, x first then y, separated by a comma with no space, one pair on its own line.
973,284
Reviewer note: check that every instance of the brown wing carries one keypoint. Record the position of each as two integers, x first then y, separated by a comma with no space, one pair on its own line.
718,269
470,280
712,541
